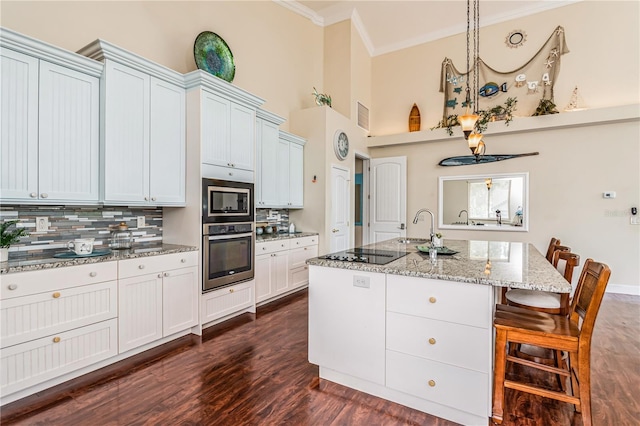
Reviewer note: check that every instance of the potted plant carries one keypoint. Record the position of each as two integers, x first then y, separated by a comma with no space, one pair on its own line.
8,237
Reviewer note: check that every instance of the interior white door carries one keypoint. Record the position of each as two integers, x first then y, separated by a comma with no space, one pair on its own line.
388,209
340,196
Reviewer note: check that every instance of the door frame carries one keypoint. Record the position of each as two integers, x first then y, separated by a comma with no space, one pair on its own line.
347,170
365,194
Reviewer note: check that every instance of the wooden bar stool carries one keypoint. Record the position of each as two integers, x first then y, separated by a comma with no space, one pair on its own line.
571,333
542,301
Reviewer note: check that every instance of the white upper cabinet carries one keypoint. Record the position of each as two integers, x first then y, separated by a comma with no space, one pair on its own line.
144,129
296,175
222,118
267,142
49,146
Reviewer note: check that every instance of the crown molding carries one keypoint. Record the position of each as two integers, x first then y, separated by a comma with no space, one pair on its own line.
199,79
302,11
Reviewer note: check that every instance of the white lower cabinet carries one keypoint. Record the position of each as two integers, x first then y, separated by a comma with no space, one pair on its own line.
280,266
158,296
53,322
219,304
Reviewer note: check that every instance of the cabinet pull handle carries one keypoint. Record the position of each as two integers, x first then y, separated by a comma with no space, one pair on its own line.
56,294
432,299
432,383
183,260
56,339
146,198
166,274
140,266
93,274
44,195
432,341
153,198
306,267
33,195
264,248
230,290
159,275
12,286
305,248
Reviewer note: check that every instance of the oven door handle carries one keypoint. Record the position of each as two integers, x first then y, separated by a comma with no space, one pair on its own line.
230,237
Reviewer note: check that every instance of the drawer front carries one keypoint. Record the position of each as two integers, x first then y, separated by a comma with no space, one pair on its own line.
40,360
39,315
298,256
455,387
304,241
219,303
298,277
460,303
154,264
33,282
440,341
272,246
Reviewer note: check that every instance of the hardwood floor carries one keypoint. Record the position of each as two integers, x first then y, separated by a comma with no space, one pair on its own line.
253,370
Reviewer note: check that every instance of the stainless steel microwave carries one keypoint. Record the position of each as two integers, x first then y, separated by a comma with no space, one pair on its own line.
225,201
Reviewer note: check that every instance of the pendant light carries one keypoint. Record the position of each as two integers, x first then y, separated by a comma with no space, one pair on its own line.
469,119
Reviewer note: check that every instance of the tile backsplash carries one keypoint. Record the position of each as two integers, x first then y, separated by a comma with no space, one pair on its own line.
69,222
273,217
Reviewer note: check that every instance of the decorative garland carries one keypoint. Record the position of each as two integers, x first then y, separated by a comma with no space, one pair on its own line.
498,112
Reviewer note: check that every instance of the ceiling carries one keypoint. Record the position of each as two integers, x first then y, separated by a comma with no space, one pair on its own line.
389,25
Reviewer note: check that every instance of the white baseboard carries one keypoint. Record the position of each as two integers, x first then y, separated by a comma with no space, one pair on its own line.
633,290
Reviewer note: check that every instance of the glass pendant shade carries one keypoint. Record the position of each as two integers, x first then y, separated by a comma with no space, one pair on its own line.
467,122
475,142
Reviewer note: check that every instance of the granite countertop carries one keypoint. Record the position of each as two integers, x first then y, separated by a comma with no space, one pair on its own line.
496,263
284,236
47,261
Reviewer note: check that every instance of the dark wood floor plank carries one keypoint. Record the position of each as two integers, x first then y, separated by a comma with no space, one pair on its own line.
253,370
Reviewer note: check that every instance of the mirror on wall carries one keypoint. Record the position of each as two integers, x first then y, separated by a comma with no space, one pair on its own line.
495,202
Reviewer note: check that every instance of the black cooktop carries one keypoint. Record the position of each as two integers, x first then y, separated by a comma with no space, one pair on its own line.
372,256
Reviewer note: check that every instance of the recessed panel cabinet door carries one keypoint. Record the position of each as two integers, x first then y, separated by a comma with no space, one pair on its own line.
126,145
139,311
296,175
167,146
180,294
215,130
19,123
69,134
283,173
267,176
242,137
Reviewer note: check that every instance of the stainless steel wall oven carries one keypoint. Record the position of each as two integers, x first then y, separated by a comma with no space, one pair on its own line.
228,239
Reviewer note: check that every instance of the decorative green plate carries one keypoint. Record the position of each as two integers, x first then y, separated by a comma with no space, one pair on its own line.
212,54
441,250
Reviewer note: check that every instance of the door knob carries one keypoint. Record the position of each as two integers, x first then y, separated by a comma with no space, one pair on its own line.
402,226
334,230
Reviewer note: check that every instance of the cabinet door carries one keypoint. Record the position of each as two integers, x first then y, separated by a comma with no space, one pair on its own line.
180,295
19,118
69,134
264,284
167,143
140,311
242,137
283,173
215,130
280,271
267,164
126,134
296,175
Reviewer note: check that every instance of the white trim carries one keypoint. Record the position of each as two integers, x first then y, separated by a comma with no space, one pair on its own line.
301,10
633,290
356,21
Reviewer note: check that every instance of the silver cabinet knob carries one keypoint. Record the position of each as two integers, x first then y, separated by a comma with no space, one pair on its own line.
44,195
183,260
140,266
146,198
159,275
153,198
12,286
93,274
166,274
33,195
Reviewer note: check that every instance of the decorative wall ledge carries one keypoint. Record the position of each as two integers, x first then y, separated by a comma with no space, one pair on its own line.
587,117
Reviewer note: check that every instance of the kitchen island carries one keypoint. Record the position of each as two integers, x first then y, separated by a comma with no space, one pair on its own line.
419,332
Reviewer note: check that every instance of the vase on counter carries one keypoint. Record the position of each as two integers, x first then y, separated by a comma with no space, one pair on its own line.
437,242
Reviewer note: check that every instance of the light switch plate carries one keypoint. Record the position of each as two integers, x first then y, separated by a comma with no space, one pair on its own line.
42,224
635,220
609,194
140,222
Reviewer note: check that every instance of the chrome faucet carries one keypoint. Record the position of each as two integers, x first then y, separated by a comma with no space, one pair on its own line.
415,221
464,211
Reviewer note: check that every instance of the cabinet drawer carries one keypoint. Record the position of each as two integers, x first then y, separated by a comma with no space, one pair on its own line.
298,277
455,302
463,389
298,256
219,303
153,264
440,341
304,241
272,246
35,316
33,282
40,360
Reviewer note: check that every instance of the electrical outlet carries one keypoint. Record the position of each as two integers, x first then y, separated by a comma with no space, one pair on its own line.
635,220
360,281
42,224
140,222
609,194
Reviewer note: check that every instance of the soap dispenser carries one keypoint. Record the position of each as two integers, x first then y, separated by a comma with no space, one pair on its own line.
292,228
121,237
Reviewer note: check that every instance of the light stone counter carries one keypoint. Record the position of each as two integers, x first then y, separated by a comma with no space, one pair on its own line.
283,236
496,263
47,261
